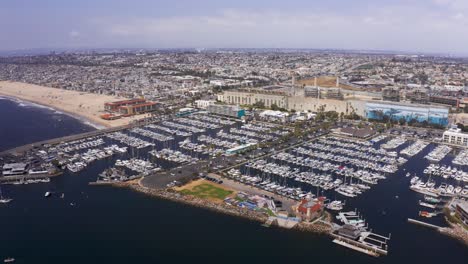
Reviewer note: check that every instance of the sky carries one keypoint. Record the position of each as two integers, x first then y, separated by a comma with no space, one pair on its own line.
412,25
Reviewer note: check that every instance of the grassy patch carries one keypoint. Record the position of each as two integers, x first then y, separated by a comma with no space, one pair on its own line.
206,190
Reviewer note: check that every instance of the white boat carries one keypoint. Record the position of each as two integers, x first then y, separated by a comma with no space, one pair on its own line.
427,205
3,199
47,194
335,206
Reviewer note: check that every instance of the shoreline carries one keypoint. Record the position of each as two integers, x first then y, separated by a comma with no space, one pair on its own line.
82,119
84,106
455,231
261,218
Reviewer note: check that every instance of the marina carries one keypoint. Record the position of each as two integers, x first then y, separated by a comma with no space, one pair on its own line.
438,153
333,170
415,148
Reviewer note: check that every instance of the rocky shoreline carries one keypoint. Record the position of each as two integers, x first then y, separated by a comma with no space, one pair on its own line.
456,231
202,203
318,227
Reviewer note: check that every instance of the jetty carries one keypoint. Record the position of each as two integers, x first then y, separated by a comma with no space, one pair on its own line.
414,221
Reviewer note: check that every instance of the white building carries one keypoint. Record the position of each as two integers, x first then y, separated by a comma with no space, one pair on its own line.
204,103
274,115
455,136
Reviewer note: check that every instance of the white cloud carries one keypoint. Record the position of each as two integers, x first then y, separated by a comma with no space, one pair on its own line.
73,34
452,4
397,27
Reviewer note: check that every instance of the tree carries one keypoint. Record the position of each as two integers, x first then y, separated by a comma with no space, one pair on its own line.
274,107
259,104
402,121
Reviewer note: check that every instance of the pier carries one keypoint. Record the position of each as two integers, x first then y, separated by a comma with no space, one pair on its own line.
17,178
362,246
410,220
24,148
357,248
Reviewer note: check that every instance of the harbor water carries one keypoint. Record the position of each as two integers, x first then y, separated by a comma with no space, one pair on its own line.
96,224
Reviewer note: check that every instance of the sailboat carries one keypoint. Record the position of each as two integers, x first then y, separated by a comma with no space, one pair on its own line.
3,199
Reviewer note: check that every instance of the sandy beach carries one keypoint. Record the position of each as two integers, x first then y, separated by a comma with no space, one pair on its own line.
86,106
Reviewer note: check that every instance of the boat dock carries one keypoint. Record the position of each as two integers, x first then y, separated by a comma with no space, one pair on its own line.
24,178
410,220
363,246
357,248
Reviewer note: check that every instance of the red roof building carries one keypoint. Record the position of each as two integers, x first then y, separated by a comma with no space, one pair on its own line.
309,209
130,107
113,106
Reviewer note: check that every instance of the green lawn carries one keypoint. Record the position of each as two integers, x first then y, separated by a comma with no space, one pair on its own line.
206,190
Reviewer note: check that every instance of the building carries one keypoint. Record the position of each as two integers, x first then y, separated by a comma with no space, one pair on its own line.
11,169
240,149
384,111
289,101
445,100
313,92
418,97
226,110
334,93
130,107
349,231
186,111
309,210
203,104
461,210
267,97
271,115
136,109
391,94
455,136
114,106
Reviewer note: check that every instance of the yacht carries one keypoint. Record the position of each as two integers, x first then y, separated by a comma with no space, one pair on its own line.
335,206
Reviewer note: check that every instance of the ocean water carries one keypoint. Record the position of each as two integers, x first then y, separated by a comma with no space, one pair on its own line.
94,224
23,123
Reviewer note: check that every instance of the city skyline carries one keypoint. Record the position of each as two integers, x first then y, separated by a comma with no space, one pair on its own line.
414,26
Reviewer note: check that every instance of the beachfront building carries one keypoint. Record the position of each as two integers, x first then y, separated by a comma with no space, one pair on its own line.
455,136
137,109
130,107
114,106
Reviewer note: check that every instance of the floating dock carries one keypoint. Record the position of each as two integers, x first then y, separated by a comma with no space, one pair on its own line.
357,248
363,246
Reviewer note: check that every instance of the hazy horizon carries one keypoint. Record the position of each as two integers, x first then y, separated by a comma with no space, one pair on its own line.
414,26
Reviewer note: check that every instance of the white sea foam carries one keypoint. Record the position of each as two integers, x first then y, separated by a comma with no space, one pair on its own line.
83,120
